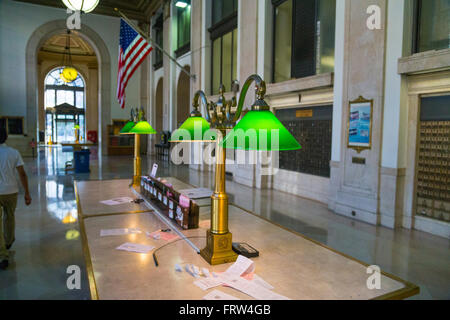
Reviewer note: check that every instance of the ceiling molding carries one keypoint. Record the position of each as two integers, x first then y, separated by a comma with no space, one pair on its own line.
78,46
51,56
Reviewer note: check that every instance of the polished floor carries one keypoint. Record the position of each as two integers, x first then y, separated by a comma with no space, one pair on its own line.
48,239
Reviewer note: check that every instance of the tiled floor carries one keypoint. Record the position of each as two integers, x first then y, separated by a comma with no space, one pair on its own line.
48,236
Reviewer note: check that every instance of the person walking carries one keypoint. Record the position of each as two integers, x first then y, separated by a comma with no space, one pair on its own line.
10,162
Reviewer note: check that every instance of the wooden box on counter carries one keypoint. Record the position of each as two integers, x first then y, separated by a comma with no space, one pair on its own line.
167,199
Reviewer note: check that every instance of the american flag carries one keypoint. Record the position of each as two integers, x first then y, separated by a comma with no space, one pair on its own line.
133,49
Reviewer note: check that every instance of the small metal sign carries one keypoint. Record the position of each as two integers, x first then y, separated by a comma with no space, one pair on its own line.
359,160
304,113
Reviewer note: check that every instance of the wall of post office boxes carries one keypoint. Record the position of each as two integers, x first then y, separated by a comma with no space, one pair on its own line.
312,129
433,161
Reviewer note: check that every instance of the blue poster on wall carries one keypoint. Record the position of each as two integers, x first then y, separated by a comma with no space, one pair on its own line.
359,127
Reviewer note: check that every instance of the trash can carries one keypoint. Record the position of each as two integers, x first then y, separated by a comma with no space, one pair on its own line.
81,159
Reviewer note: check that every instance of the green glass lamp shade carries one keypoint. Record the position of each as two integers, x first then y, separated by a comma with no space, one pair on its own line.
142,127
194,129
261,131
126,129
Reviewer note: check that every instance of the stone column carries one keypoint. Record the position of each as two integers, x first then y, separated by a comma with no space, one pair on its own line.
393,157
167,65
341,43
356,187
92,98
41,98
196,45
247,65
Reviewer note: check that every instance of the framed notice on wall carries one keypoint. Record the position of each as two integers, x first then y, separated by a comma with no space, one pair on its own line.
360,124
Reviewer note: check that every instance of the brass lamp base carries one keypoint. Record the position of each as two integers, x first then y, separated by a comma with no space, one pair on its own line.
218,248
137,161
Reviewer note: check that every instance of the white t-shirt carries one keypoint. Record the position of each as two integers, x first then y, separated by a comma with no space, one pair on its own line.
10,159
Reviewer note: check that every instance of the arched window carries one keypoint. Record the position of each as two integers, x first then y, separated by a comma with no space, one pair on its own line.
57,92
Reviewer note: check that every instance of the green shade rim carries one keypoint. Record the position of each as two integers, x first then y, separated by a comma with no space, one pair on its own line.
150,131
252,149
188,125
269,122
129,124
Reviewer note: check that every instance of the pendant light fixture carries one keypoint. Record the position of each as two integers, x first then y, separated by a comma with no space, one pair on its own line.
69,73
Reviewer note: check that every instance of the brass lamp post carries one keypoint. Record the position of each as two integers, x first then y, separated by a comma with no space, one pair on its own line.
223,116
219,240
137,126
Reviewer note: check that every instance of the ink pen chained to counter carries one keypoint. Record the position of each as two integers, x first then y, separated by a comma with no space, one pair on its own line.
155,259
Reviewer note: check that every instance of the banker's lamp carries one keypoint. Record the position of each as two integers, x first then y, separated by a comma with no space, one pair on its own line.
259,130
130,124
137,125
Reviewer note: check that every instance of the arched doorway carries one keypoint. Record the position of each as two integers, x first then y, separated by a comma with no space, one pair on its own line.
183,97
36,41
81,93
64,105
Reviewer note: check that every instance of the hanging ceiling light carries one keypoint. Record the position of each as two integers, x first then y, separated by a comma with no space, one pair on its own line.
182,4
69,73
81,5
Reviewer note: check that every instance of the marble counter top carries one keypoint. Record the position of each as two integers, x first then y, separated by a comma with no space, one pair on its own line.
90,193
294,265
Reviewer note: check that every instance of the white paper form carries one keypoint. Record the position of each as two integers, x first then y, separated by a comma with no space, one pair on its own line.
241,267
135,247
219,295
117,201
248,287
208,283
118,232
259,281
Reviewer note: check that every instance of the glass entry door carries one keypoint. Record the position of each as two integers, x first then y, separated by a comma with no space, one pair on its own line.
65,130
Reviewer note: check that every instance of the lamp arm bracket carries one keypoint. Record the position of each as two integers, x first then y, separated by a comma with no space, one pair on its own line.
230,104
195,104
260,91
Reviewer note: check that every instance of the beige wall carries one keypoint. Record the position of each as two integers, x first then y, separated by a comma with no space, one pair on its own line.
375,64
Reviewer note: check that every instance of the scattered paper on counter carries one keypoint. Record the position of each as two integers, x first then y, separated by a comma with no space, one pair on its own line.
259,281
118,232
190,269
157,235
178,268
117,201
239,276
241,267
250,288
208,283
219,295
196,270
205,272
135,247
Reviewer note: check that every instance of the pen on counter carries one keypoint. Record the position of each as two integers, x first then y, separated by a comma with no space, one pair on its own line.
156,260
